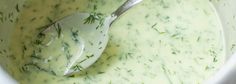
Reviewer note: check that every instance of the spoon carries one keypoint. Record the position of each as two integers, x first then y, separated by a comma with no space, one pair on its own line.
75,42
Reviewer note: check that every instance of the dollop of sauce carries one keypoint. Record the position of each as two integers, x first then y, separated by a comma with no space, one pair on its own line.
157,41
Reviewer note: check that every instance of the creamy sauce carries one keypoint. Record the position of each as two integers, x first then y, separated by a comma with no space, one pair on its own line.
158,41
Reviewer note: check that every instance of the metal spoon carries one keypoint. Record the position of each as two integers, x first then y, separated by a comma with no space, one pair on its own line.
75,42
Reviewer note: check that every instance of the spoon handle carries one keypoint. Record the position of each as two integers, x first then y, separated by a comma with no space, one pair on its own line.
127,5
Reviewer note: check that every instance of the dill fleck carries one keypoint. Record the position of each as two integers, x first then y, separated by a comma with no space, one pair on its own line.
10,15
65,45
34,10
45,81
175,35
233,46
117,45
108,58
35,56
154,25
129,24
99,43
5,51
198,39
158,31
100,48
33,19
91,43
53,73
207,68
58,29
24,68
100,72
24,48
1,52
38,42
94,7
41,35
34,66
75,36
167,17
77,68
49,19
17,8
92,18
57,5
215,59
150,60
173,52
146,16
1,16
129,71
89,56
71,76
82,60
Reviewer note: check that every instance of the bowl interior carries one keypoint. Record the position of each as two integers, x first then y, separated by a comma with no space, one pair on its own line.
9,10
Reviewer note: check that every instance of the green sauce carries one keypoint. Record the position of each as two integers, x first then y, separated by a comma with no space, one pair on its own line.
157,41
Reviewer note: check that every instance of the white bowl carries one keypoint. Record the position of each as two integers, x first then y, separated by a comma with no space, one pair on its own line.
226,10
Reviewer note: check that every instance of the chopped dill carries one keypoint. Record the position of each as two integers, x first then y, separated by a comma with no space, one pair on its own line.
77,68
17,8
1,16
92,18
58,29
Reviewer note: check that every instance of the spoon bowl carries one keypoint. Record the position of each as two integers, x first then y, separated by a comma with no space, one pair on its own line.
77,41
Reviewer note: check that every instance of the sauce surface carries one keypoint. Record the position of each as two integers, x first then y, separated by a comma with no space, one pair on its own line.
157,41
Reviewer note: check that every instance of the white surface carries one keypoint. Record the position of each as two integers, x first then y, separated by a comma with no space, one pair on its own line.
226,74
5,78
